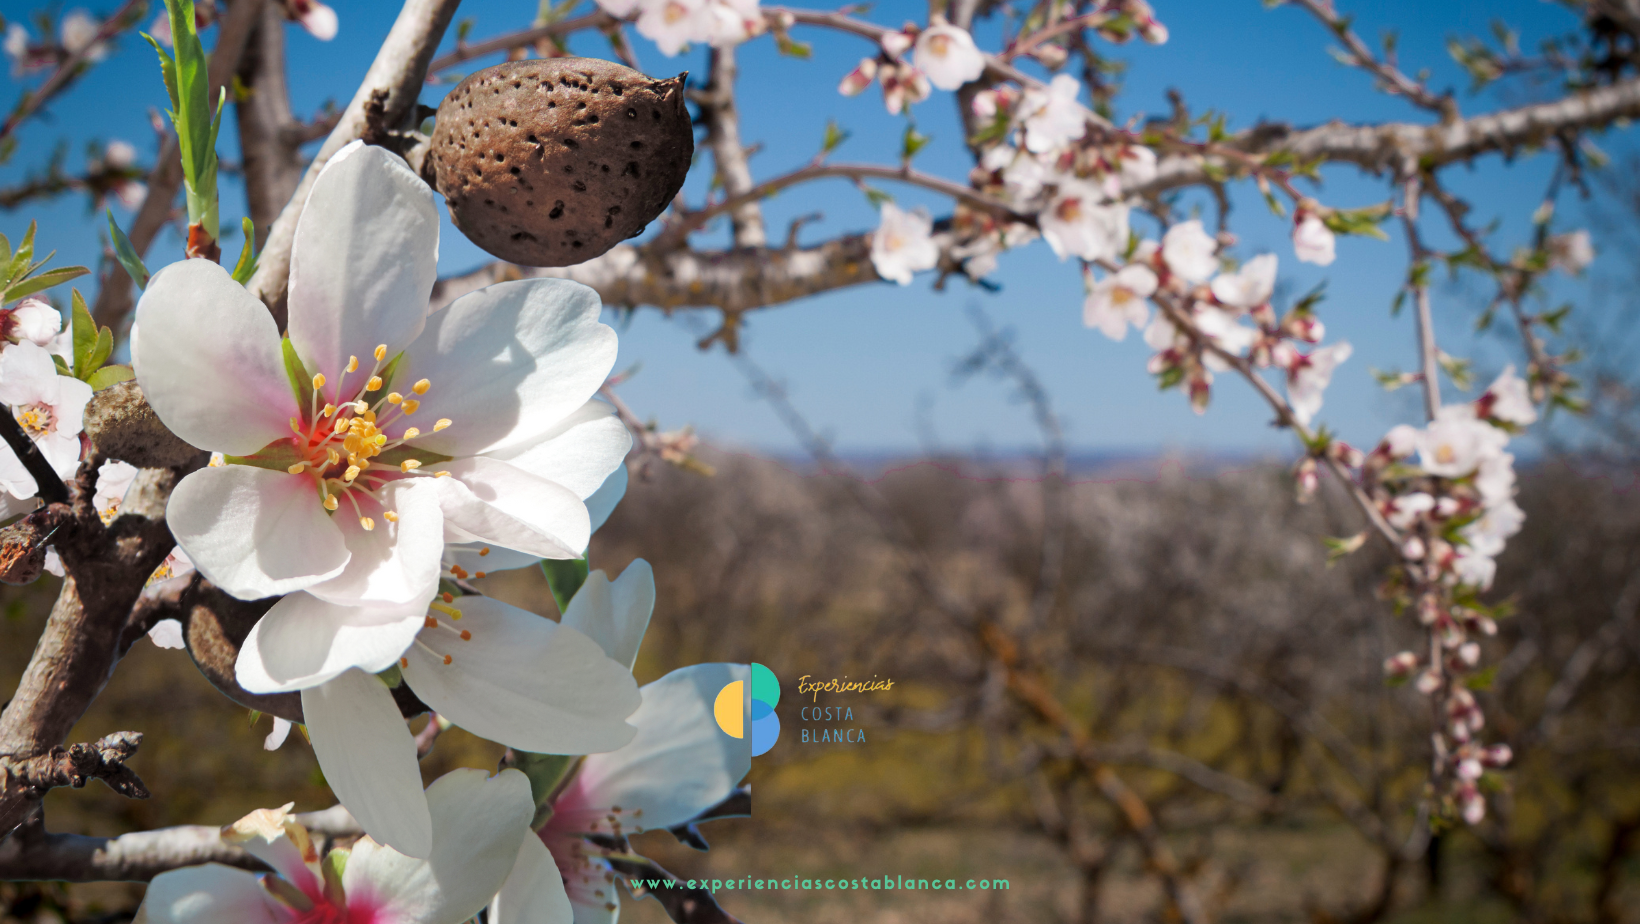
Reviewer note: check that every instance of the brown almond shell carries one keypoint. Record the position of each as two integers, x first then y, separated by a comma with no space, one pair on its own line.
552,162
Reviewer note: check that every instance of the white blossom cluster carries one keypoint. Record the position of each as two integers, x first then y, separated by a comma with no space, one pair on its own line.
674,25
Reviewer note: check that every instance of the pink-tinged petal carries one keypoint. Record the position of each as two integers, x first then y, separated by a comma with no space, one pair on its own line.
369,759
508,363
580,452
319,20
209,894
476,557
304,641
490,501
679,764
522,680
363,263
167,633
478,823
393,562
253,532
534,892
207,356
615,614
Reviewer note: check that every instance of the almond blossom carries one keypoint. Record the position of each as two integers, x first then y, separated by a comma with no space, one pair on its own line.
78,33
318,19
903,244
502,381
1190,252
1119,300
1313,241
1455,442
947,54
1508,400
1308,378
1250,286
50,408
1572,252
32,319
1078,223
480,823
1051,116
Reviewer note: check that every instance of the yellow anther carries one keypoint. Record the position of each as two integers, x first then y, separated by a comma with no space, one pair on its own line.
410,405
296,425
367,523
409,465
390,516
332,456
466,636
351,473
318,380
441,474
364,463
353,364
410,434
421,387
442,423
330,410
297,469
374,383
381,352
341,424
379,439
362,407
330,502
394,397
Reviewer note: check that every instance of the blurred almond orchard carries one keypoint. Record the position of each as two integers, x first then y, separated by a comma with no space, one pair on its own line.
1386,681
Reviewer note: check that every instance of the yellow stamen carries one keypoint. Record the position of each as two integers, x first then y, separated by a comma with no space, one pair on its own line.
441,474
394,397
353,364
351,473
409,465
330,502
367,523
381,352
421,387
390,516
342,424
297,469
410,405
330,410
362,408
374,383
409,434
442,423
318,380
332,456
296,425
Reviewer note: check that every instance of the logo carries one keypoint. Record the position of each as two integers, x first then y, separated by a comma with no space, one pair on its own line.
731,704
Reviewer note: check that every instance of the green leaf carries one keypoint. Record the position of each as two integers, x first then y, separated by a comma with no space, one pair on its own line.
85,336
62,365
834,137
109,376
167,72
1482,679
913,142
301,382
277,456
19,264
43,281
246,267
5,250
546,773
127,254
565,576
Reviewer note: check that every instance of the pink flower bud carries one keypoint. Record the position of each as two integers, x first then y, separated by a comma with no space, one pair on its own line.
1498,755
1470,652
859,78
1428,682
1401,665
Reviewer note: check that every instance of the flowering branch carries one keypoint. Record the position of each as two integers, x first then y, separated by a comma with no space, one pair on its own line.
524,38
1389,76
70,68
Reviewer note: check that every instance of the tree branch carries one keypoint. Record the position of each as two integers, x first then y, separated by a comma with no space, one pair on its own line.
393,84
722,121
522,39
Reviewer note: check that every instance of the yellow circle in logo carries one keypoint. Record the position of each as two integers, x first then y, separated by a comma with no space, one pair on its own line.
730,709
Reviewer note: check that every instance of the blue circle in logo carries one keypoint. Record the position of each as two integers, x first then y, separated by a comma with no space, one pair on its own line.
765,730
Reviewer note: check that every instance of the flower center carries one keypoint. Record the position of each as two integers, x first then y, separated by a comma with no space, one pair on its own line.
440,629
36,419
1069,210
1445,454
674,12
338,441
1121,295
939,45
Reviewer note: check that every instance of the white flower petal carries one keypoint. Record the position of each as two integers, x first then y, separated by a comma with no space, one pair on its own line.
681,763
255,533
393,562
615,615
207,356
369,759
534,891
304,641
364,261
524,681
479,822
490,501
276,737
167,633
579,452
508,362
209,894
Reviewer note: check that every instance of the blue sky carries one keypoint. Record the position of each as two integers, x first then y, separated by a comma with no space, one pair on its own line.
861,362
